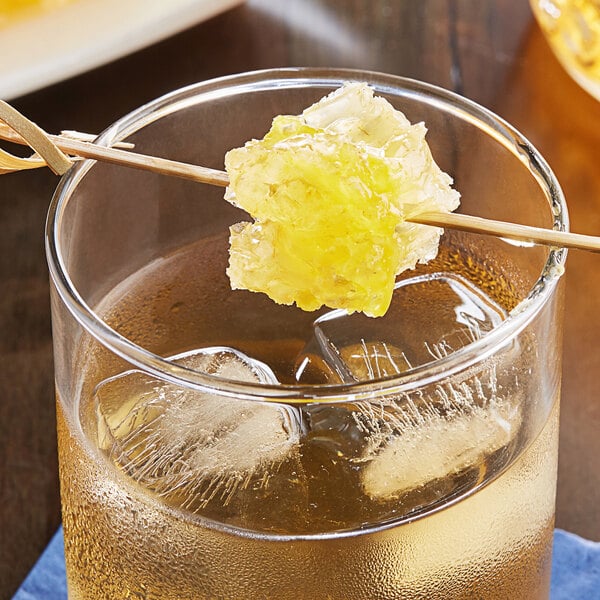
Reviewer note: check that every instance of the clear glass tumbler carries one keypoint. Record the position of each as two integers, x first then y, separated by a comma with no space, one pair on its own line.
216,445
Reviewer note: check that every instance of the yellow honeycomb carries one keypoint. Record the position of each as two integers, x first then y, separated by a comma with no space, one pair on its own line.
328,191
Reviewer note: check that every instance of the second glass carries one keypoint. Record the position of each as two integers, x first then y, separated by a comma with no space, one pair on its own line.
216,445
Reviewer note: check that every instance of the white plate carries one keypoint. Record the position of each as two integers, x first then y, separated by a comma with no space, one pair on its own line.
59,43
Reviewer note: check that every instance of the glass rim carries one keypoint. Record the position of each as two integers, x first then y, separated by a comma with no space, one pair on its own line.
465,357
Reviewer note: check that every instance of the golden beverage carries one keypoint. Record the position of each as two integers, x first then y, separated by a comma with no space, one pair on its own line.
271,502
572,27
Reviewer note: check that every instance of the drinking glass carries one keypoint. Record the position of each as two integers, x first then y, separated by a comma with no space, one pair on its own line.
214,444
572,28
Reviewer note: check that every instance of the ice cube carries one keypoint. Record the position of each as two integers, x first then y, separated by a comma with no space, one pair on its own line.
435,446
431,316
409,440
190,446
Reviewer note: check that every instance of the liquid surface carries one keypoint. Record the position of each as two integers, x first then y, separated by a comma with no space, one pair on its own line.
160,468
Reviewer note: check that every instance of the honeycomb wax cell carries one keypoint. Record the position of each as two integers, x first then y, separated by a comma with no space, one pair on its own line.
329,191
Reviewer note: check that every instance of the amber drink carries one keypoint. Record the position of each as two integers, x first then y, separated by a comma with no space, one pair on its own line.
214,444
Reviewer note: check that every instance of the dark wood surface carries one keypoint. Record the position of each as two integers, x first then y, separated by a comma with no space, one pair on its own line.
490,51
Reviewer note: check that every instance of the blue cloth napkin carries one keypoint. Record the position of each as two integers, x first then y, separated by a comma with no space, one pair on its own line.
575,571
47,579
575,568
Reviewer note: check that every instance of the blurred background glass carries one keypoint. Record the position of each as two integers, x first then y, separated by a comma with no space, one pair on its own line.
11,10
572,27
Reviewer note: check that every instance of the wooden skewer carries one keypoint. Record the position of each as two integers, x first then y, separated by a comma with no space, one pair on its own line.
522,233
511,231
34,137
126,158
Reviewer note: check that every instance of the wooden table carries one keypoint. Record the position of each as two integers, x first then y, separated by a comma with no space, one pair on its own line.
491,51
